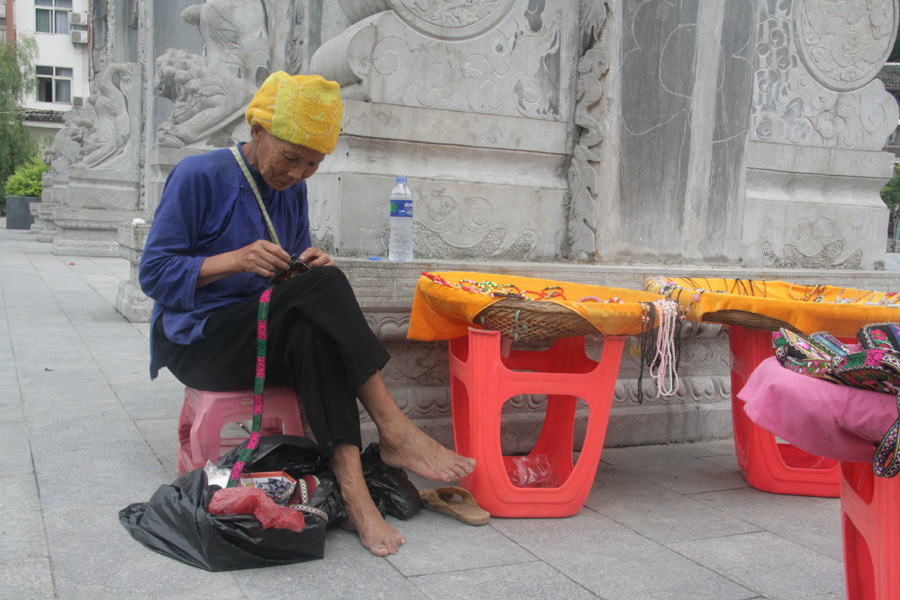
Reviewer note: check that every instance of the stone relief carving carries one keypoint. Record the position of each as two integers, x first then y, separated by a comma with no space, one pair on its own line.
449,227
593,65
101,21
210,92
295,59
844,44
512,68
818,236
816,61
455,19
822,249
100,135
448,19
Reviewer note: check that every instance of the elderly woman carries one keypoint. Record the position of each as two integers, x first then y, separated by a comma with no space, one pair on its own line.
227,222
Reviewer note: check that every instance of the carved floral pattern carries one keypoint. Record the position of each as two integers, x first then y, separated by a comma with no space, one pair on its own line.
815,62
819,235
844,44
452,19
453,228
479,75
593,66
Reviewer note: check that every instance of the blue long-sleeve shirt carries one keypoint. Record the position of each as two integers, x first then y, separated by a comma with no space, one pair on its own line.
207,208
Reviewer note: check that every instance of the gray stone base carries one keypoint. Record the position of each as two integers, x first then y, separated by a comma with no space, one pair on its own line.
88,232
133,304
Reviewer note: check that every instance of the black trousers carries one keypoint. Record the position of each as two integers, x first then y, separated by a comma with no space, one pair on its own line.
318,343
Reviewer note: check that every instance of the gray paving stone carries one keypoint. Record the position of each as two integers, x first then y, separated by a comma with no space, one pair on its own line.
808,521
15,453
26,579
436,543
774,567
657,512
94,556
162,437
525,581
676,470
102,473
151,400
616,563
22,526
347,571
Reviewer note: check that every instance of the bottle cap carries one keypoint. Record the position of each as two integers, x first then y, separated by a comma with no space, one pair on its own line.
401,178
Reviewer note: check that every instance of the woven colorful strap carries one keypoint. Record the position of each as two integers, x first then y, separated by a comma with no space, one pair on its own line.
887,457
262,325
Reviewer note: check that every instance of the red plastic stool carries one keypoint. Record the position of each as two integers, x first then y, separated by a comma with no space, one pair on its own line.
767,464
545,483
871,528
205,413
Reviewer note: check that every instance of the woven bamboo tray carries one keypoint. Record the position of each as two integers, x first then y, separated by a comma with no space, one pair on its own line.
747,319
531,320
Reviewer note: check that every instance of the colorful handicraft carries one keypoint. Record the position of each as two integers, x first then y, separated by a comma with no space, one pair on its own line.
876,367
509,290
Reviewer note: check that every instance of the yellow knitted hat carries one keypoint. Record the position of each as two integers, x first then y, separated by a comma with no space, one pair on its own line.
304,109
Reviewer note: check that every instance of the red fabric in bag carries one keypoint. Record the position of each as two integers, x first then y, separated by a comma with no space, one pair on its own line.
248,500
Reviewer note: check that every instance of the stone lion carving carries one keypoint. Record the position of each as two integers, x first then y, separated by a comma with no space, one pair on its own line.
211,91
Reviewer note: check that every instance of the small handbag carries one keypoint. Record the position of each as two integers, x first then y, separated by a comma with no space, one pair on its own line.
875,367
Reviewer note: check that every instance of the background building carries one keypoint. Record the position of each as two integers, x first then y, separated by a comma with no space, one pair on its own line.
63,70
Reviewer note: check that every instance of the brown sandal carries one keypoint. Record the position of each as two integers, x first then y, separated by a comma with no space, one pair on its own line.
455,502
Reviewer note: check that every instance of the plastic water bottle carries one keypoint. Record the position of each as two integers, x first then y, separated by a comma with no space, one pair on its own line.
401,244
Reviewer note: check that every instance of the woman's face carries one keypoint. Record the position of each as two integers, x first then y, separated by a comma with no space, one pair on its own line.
282,164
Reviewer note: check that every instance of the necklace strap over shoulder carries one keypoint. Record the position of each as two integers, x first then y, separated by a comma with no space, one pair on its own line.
259,200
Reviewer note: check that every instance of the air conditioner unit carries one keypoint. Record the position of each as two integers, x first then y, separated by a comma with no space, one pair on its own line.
78,18
3,11
78,101
78,37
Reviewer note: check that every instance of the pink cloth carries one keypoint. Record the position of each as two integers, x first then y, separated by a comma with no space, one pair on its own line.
823,418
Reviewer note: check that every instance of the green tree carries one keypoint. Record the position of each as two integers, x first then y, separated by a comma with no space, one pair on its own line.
890,193
17,144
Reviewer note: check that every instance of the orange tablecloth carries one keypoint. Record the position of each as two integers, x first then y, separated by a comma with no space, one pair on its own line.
440,312
809,308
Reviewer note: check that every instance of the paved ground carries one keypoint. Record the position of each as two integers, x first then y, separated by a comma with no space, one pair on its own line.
84,432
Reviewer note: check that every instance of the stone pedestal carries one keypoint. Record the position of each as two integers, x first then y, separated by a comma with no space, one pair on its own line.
815,208
487,187
98,203
130,300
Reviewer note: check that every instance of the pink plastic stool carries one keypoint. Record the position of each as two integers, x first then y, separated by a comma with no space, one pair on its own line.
871,528
481,382
205,413
767,464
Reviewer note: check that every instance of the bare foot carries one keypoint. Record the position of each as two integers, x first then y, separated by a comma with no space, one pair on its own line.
405,446
376,535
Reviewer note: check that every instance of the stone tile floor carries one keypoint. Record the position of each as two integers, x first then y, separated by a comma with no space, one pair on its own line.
84,432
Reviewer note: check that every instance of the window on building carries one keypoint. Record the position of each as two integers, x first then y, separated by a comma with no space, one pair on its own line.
52,16
54,84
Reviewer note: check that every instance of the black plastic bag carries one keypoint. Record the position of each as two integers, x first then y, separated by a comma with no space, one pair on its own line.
391,490
176,521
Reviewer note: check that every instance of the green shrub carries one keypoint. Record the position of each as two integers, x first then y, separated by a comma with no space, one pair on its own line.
26,181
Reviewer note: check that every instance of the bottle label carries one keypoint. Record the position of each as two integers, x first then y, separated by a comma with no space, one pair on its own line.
401,208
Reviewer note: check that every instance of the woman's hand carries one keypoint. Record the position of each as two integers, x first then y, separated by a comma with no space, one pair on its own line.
315,257
261,257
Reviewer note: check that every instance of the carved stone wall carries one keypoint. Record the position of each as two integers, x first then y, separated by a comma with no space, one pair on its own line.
489,185
819,121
